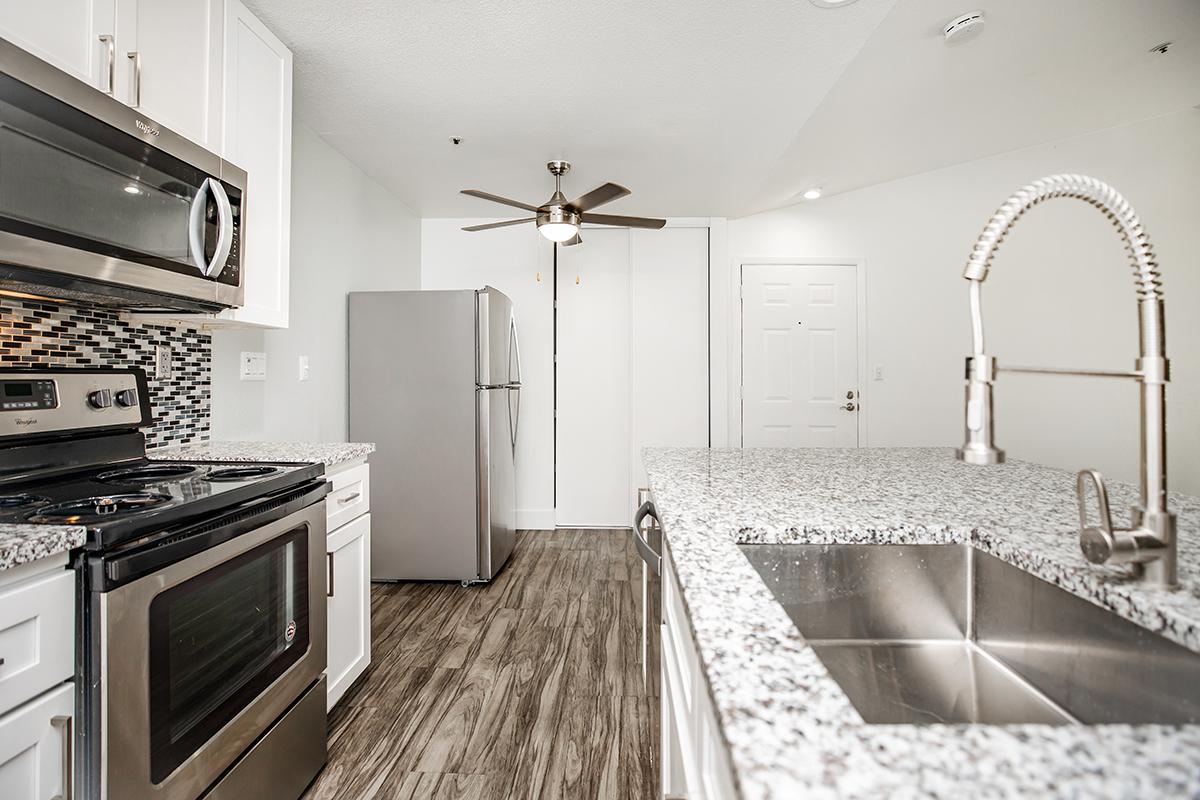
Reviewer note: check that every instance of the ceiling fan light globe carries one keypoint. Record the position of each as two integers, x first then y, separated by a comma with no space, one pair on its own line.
558,231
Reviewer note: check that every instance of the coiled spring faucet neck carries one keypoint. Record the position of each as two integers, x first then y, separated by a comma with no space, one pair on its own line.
1149,544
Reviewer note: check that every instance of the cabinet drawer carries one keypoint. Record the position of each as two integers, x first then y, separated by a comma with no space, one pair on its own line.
37,636
35,747
350,498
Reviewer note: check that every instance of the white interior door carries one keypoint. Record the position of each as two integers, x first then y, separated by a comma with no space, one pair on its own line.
799,356
592,433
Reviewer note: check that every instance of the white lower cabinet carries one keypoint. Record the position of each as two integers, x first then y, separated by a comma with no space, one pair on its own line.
35,747
348,581
695,763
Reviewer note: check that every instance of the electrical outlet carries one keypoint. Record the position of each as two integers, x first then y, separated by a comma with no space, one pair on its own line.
162,362
252,366
304,370
878,374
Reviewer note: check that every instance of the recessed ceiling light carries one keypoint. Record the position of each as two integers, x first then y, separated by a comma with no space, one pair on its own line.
831,3
812,194
132,189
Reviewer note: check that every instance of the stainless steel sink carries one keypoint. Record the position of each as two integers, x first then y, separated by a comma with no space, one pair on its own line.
948,634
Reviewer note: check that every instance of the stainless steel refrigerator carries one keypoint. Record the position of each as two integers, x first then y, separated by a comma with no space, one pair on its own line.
435,383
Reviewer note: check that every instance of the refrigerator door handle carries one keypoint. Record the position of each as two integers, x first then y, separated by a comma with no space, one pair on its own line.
514,345
514,417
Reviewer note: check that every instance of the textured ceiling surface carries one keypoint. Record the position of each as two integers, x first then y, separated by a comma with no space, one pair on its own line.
714,108
686,102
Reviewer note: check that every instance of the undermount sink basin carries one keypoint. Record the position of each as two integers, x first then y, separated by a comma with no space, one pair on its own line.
920,634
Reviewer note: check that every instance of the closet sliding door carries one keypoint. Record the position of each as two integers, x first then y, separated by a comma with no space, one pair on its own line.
593,423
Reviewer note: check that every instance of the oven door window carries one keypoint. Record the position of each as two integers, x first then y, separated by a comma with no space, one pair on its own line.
219,639
70,179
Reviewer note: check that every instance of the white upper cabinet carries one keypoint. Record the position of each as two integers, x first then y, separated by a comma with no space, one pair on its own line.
168,64
258,138
74,35
208,70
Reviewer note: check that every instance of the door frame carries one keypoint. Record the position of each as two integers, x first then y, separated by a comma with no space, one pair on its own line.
733,389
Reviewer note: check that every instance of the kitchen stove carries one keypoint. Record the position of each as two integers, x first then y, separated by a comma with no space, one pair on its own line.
201,594
128,498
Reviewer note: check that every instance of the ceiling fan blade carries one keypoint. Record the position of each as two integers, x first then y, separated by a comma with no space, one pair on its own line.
599,196
624,222
490,225
574,240
495,198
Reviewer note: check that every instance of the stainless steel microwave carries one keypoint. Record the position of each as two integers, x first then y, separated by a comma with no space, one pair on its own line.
101,204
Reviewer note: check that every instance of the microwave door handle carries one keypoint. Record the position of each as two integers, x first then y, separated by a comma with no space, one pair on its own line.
225,232
196,226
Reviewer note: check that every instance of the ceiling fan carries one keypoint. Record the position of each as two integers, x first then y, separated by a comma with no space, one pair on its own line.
558,219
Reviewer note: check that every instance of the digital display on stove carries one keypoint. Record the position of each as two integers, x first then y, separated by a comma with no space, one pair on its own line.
27,395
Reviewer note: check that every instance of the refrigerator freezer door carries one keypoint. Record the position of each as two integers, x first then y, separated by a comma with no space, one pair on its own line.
412,392
496,338
497,481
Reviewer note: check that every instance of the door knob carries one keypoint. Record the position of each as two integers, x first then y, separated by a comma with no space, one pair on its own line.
849,407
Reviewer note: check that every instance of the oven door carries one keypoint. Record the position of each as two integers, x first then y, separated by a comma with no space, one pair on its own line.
98,201
199,658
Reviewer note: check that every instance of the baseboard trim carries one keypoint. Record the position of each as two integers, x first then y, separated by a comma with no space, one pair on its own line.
535,519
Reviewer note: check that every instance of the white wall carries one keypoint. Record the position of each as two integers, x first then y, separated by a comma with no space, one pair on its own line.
520,263
348,234
1060,293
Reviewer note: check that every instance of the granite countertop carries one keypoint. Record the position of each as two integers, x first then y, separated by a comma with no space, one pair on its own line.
328,453
20,544
789,727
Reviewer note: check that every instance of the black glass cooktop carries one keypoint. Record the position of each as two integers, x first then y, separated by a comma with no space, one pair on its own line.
120,503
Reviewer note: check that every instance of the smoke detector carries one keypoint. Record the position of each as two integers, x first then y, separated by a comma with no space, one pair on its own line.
963,27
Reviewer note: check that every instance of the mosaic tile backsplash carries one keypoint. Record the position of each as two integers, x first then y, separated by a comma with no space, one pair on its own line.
41,334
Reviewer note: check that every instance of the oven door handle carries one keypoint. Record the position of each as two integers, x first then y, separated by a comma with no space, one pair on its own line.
197,224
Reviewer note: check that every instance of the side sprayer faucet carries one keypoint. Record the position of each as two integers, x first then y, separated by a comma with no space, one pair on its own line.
1148,544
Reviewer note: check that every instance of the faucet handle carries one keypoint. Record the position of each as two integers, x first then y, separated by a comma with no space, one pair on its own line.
1102,544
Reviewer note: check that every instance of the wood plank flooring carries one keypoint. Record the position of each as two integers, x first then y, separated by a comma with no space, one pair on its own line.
532,686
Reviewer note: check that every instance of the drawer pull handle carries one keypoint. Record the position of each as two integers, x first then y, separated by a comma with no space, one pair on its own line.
350,498
329,570
63,723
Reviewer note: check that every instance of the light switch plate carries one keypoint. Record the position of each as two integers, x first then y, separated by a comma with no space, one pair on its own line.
304,370
253,366
878,374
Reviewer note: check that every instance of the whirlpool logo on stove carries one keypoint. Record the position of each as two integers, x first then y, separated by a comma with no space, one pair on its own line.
289,632
25,422
144,128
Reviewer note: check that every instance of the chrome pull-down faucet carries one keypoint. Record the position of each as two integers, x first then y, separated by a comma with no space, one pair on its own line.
1149,543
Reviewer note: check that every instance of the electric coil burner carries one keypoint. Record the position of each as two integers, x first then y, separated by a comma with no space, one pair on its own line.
201,595
239,473
95,509
22,500
148,474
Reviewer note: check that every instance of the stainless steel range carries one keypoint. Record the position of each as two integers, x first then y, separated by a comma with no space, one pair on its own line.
201,594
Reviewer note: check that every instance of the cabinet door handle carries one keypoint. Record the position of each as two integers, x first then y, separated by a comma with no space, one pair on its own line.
329,573
350,498
63,723
106,39
136,58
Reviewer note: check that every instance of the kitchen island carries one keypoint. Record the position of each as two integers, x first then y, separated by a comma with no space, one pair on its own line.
789,728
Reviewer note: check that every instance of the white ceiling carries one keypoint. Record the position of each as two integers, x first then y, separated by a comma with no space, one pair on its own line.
712,107
1039,72
686,102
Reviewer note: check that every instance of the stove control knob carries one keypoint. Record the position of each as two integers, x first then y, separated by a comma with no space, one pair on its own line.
101,398
126,398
